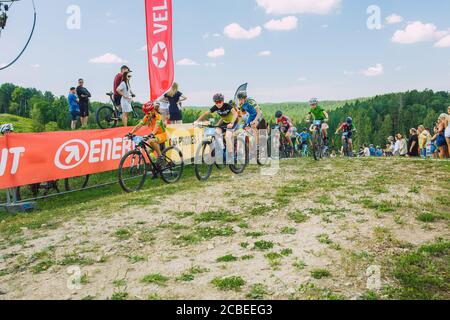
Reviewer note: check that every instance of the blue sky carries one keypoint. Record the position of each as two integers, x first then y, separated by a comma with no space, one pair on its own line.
324,48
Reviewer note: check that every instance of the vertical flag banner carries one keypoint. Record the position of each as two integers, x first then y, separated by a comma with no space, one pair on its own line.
159,46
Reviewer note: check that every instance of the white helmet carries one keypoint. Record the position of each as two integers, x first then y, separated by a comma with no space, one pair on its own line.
313,101
5,128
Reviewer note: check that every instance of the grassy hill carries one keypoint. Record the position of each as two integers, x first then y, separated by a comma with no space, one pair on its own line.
21,125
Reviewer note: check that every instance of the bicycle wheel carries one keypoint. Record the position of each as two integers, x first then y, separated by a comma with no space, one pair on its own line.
204,161
136,116
76,183
106,117
317,145
132,171
173,167
241,155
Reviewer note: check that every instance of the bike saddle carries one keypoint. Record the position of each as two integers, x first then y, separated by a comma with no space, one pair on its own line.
110,94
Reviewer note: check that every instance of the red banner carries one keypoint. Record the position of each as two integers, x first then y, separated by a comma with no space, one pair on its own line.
27,158
159,46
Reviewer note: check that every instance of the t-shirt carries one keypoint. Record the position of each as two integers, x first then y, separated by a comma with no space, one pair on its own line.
226,112
174,110
124,89
250,108
423,139
415,151
151,122
318,113
84,91
73,104
373,151
284,122
305,136
367,152
117,81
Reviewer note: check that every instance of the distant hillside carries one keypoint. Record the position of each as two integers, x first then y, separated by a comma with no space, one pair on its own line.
21,125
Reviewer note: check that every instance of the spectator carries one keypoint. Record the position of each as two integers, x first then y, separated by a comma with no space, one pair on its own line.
117,82
413,143
366,151
372,150
429,152
174,97
164,110
124,90
74,107
447,131
423,136
83,100
441,143
379,152
434,150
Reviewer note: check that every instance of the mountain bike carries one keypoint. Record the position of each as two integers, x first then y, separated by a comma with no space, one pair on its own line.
320,150
286,150
262,151
109,117
213,153
346,146
141,162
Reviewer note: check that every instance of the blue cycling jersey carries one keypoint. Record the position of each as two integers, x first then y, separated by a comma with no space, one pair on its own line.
250,108
304,136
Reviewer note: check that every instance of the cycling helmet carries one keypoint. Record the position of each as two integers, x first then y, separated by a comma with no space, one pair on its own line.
148,107
278,114
313,101
349,120
6,128
242,95
218,97
305,129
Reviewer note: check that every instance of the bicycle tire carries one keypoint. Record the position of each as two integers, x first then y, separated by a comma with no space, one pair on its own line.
121,169
110,117
170,164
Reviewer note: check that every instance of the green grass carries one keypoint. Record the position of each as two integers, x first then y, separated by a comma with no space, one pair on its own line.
320,273
190,274
288,230
119,296
257,292
221,215
156,278
298,217
260,210
426,217
228,283
227,258
424,273
21,125
203,234
299,264
263,245
255,234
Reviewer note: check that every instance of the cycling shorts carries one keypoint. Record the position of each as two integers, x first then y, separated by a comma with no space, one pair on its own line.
161,138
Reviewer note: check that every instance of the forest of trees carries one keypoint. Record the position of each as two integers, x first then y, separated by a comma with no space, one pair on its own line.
376,118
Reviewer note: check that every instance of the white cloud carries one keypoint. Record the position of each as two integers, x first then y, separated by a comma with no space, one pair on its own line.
108,58
187,62
219,52
378,70
36,65
285,24
205,35
417,32
235,31
216,35
299,6
394,19
302,79
444,42
265,53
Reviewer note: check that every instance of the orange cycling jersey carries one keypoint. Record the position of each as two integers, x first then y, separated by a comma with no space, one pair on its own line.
151,123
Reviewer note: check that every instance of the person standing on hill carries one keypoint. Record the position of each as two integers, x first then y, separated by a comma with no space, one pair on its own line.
447,131
124,90
174,97
74,107
424,136
413,143
117,82
83,99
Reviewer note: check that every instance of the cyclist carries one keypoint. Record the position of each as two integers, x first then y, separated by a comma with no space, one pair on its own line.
286,126
347,129
154,121
229,118
318,114
304,137
251,112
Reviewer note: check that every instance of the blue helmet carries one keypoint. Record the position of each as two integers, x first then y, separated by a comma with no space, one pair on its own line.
349,120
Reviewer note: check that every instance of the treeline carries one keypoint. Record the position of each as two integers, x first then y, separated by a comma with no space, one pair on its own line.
382,116
376,118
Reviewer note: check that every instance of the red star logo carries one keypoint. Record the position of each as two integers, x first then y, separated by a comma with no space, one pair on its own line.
160,55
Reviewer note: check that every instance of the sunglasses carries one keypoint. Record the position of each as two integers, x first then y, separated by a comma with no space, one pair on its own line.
218,102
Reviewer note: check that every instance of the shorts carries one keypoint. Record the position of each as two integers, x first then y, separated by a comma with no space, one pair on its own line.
117,99
440,141
433,148
262,124
84,109
164,113
161,138
349,135
126,105
74,115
